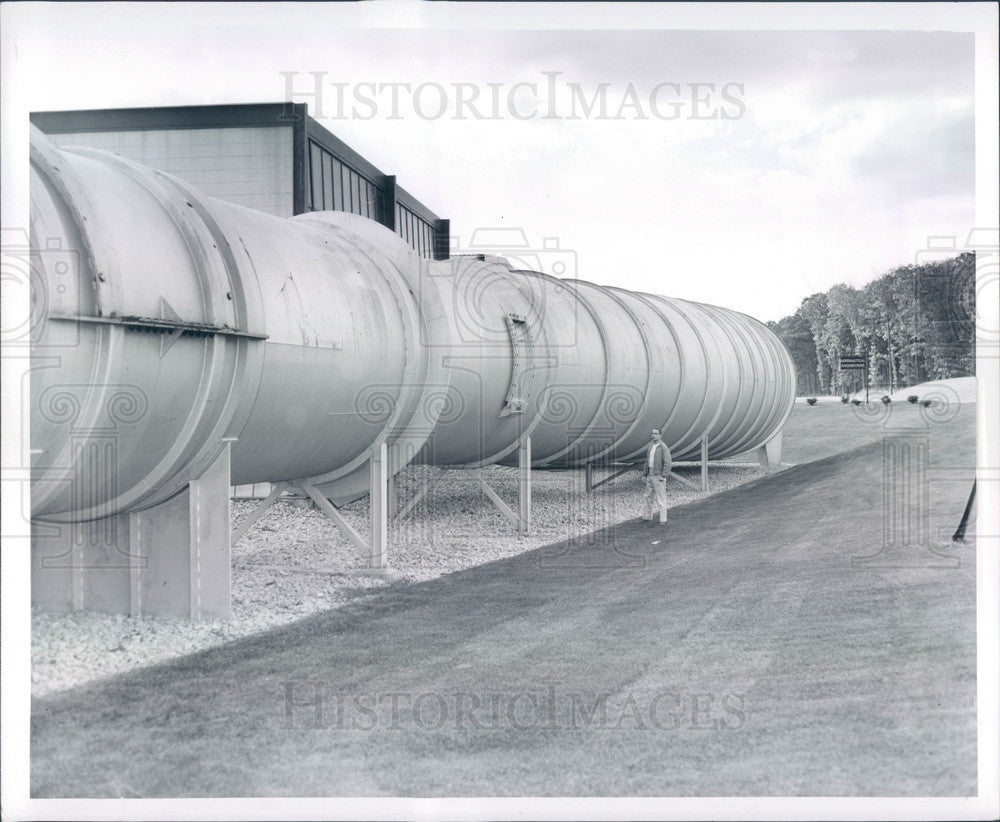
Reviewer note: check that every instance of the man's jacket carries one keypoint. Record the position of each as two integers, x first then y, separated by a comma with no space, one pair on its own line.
661,461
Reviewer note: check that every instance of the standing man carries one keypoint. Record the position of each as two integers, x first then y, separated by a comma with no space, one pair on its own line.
658,465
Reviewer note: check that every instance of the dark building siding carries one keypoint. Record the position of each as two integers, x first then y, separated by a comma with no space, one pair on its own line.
335,186
340,179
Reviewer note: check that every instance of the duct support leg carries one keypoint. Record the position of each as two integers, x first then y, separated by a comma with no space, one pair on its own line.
379,466
769,454
169,560
524,486
393,498
704,462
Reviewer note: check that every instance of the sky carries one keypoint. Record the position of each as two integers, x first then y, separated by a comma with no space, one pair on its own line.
832,155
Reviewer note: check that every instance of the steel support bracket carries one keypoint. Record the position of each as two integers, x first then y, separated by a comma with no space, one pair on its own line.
415,500
522,517
375,550
591,485
259,510
685,481
160,324
331,513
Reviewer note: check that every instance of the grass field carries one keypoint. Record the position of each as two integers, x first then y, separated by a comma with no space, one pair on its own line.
817,431
764,642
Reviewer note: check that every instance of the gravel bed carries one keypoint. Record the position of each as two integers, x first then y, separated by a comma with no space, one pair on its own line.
294,562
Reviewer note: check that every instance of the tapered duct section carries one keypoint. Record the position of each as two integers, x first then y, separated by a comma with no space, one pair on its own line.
171,327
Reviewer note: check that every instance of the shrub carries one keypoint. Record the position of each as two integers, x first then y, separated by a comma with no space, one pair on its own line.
856,402
926,403
912,398
844,398
811,400
886,399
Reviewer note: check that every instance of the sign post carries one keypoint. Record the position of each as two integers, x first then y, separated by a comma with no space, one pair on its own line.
855,362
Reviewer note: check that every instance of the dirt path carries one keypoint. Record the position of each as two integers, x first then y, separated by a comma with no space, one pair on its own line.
748,652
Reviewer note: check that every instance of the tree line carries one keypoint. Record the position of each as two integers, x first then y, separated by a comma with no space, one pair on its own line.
914,324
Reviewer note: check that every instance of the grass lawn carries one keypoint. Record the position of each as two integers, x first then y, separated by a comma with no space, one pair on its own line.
816,431
761,643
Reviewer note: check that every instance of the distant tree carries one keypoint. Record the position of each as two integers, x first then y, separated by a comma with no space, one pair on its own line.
915,323
843,334
883,314
795,333
815,312
946,309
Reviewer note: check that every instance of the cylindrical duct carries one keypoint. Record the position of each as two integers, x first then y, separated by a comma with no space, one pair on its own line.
169,322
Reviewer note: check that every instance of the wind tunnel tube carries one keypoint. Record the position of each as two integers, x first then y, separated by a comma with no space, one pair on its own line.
169,323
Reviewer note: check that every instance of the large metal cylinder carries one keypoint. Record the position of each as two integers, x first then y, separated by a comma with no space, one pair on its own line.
168,322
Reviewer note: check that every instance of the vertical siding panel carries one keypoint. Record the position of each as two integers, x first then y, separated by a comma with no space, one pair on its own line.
338,186
327,182
315,163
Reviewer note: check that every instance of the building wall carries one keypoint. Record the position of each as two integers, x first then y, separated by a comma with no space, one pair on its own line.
249,166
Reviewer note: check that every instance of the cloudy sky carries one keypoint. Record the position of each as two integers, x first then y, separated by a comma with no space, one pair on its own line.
835,156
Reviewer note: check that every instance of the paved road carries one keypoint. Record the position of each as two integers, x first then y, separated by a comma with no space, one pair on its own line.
749,652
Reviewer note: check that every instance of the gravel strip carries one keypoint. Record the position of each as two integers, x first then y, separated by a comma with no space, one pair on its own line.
294,562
